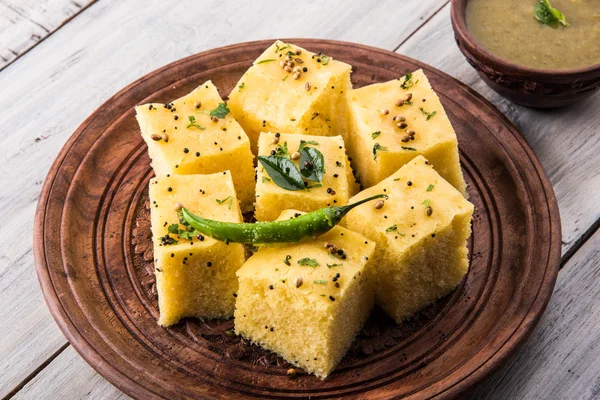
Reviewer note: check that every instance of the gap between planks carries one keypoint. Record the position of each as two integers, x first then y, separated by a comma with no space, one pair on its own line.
420,26
49,33
35,372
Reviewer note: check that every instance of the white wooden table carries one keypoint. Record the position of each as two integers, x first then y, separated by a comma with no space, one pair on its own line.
60,59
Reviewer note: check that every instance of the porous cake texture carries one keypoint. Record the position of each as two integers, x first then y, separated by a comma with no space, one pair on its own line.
396,121
307,301
290,89
421,234
196,134
195,276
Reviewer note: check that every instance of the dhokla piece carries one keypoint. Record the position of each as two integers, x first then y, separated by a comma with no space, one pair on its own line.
395,121
337,186
290,89
184,138
307,301
421,234
195,277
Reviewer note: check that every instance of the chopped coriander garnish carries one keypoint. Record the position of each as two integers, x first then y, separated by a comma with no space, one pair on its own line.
408,83
241,86
282,150
193,123
186,233
334,265
377,147
325,59
278,49
308,262
546,14
408,148
265,179
430,187
285,78
220,112
228,198
396,180
287,260
320,282
266,61
429,115
426,203
375,134
304,143
393,228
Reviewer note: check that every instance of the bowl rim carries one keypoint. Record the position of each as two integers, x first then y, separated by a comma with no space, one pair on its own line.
476,50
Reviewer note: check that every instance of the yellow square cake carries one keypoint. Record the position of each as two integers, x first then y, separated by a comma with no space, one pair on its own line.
337,184
196,134
195,275
393,122
421,234
289,89
307,301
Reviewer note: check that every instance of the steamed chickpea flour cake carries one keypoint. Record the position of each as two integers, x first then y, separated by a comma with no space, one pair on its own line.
303,286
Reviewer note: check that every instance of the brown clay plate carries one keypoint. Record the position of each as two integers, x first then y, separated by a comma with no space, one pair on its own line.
94,256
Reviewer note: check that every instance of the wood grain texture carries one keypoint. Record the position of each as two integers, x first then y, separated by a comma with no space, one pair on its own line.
24,23
565,140
56,381
84,63
94,285
561,361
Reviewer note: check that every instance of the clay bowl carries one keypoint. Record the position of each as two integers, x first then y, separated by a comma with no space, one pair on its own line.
537,88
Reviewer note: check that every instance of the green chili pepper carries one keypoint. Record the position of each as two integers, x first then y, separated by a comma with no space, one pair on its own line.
311,224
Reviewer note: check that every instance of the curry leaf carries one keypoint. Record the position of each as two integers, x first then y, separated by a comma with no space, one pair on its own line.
312,164
283,172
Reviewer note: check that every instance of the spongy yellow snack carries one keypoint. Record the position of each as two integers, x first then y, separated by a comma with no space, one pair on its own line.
308,97
194,277
306,301
395,121
421,233
337,185
189,141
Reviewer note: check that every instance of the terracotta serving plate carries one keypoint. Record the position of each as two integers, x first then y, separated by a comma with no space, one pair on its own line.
94,256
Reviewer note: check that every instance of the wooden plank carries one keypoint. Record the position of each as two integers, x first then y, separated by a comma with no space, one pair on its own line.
561,360
85,63
24,23
565,140
69,377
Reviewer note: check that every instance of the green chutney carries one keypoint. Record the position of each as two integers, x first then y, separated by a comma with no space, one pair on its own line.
509,30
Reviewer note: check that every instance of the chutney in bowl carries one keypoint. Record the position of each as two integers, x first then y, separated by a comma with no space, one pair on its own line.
528,59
